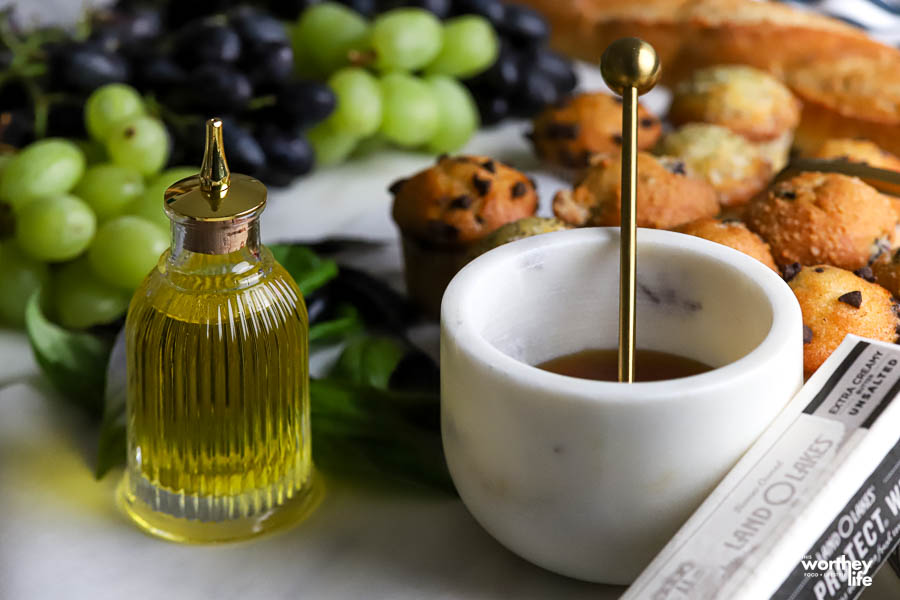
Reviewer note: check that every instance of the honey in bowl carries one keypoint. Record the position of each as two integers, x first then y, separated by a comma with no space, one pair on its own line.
602,364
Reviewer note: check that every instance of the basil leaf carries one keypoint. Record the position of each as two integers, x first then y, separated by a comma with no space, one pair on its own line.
346,323
369,360
308,269
74,362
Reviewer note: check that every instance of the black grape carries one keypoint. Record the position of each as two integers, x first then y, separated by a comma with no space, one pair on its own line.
306,102
492,109
256,28
559,69
84,67
523,25
492,10
270,63
217,87
66,119
286,151
367,8
206,42
244,153
17,127
537,91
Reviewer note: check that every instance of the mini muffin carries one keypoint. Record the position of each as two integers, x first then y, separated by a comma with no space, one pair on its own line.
886,272
835,302
828,218
749,102
666,196
444,210
567,135
860,151
732,165
731,233
517,230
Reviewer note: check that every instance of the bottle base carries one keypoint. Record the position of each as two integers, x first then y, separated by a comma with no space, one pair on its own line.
194,531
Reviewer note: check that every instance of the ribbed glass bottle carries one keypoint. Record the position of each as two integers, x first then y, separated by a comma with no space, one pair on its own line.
218,393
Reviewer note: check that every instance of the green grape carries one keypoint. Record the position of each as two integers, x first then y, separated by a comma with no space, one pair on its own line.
20,277
325,35
411,111
109,105
109,189
141,143
81,300
55,228
458,118
125,249
94,151
358,110
330,145
405,39
470,46
48,167
150,204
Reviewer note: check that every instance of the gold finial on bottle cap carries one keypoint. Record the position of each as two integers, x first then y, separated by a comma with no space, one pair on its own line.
214,173
630,67
630,62
216,207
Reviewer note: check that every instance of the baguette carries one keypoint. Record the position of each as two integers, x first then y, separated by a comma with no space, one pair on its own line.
849,83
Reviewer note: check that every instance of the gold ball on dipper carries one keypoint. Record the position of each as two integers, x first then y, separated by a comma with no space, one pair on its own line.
630,62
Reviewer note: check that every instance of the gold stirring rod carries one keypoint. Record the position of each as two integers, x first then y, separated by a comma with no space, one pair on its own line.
630,68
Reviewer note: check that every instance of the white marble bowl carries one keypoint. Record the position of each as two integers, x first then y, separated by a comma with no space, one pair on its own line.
588,478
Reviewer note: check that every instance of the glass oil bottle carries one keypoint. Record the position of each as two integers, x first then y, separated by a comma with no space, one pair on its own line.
218,422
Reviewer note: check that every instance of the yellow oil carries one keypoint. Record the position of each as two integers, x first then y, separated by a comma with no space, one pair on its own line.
218,399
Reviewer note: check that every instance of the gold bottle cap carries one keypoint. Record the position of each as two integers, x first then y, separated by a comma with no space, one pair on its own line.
216,206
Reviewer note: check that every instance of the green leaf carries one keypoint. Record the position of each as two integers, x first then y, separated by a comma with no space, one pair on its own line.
74,362
364,431
308,269
347,323
369,360
112,445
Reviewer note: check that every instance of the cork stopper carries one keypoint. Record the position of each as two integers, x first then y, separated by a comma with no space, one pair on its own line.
215,207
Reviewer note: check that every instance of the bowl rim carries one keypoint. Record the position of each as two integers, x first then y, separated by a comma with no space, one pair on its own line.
784,333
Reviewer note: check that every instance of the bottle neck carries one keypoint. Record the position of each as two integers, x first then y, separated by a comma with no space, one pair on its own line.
190,269
215,239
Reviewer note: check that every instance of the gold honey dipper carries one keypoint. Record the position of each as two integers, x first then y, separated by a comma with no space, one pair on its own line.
630,67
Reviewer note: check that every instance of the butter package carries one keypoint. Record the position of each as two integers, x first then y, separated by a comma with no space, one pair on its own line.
813,508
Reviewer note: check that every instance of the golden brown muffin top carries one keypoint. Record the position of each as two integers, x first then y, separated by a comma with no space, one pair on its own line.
835,302
731,233
859,151
461,199
586,124
749,102
732,165
827,218
666,195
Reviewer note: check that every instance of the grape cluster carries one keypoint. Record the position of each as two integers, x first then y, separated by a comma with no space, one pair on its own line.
527,75
396,77
87,231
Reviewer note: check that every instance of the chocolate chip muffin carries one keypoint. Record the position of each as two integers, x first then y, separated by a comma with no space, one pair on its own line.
666,195
835,302
517,230
444,210
829,218
567,135
733,166
749,102
731,233
860,151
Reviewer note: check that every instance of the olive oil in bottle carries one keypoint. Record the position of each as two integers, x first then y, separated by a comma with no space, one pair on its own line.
218,388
